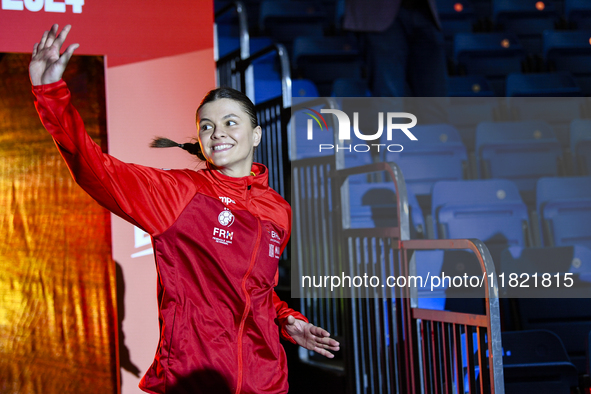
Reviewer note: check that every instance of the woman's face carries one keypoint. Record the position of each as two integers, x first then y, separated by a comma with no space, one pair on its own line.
226,136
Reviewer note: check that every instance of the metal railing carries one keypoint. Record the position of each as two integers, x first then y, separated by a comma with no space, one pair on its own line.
389,343
273,116
225,66
446,343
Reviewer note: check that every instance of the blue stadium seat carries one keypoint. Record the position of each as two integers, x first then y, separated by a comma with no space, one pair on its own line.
557,84
456,16
469,86
551,97
564,208
574,259
466,112
285,20
580,145
227,45
535,361
564,311
265,70
494,55
520,151
490,210
350,87
303,88
226,23
437,155
527,19
266,89
325,59
259,43
570,51
578,13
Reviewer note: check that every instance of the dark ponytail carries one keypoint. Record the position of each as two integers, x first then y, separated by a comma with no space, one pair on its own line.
192,148
212,95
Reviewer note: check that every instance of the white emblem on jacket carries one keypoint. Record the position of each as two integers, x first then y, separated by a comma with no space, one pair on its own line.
226,218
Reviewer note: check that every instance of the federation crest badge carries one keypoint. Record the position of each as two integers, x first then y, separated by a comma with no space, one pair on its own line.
226,218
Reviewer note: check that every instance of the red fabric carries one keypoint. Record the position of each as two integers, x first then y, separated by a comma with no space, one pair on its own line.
217,242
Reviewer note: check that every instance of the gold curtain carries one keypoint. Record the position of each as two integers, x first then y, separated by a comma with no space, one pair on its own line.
57,279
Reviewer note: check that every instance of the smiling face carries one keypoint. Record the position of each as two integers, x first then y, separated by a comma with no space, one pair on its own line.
227,136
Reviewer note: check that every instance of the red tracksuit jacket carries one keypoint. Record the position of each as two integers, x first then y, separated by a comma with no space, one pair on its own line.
217,242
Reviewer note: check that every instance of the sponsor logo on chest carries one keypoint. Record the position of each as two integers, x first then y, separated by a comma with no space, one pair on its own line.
227,200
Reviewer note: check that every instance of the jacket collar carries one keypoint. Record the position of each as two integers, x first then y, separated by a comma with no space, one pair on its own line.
241,187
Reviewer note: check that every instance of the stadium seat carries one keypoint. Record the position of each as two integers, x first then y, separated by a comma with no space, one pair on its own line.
325,59
520,151
285,20
578,13
566,311
456,16
551,97
557,84
535,361
226,23
490,210
303,88
437,155
580,145
227,45
266,89
570,51
468,86
350,87
466,112
564,208
527,19
573,259
494,55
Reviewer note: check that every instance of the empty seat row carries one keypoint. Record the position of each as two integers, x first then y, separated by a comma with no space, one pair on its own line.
519,151
496,55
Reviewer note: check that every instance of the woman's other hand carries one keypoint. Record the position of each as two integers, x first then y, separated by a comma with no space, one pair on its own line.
311,337
47,66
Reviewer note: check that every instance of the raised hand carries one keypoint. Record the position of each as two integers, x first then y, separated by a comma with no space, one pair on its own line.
311,337
47,66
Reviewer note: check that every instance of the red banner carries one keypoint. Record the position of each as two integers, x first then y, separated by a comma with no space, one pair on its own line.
126,31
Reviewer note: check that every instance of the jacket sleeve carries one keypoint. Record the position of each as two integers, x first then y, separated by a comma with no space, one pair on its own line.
283,311
147,197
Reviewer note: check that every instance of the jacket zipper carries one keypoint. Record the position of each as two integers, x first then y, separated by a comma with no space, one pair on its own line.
247,306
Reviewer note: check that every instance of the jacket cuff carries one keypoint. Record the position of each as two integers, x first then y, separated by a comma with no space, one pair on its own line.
48,88
283,322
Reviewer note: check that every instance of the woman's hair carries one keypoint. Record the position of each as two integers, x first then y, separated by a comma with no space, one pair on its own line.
224,92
